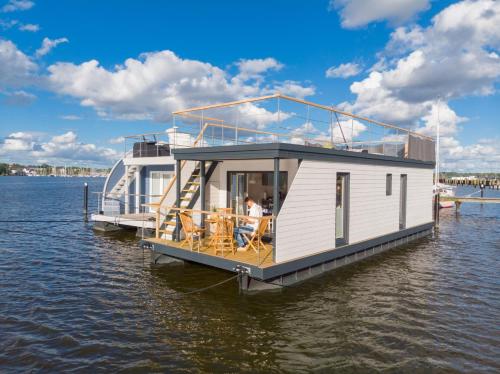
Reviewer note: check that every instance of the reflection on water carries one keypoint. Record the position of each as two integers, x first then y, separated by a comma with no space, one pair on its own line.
96,302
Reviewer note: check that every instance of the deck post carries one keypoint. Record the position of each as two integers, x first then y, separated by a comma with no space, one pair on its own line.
138,190
127,191
177,199
202,192
276,200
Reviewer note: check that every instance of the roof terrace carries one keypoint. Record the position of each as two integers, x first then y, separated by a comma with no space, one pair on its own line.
283,119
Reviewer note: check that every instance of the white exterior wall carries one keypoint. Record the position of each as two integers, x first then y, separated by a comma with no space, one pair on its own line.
306,223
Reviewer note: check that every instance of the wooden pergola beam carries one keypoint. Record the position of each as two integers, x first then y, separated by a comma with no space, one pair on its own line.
196,116
230,103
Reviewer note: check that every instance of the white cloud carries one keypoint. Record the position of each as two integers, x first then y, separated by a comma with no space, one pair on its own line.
117,140
482,156
64,148
350,69
158,83
345,130
455,56
66,138
16,69
254,68
48,45
448,120
293,88
29,27
449,59
70,117
253,116
19,98
7,24
15,5
17,142
357,13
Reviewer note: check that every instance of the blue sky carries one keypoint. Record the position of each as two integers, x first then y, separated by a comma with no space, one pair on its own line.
394,59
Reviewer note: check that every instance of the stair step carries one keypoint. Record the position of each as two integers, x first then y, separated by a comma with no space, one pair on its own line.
185,198
167,231
194,183
170,223
189,190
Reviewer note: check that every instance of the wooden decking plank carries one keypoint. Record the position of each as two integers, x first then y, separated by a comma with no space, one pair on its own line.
248,257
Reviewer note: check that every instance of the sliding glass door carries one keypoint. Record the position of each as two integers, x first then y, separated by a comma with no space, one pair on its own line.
342,209
237,192
258,185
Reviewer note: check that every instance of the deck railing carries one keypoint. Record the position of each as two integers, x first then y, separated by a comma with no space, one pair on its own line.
280,118
213,233
119,201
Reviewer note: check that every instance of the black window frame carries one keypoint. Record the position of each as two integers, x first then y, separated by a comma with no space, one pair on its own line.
346,200
388,184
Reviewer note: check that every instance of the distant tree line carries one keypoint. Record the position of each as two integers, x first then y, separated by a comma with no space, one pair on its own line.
4,169
46,169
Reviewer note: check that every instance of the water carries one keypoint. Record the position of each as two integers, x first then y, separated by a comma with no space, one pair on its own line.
83,301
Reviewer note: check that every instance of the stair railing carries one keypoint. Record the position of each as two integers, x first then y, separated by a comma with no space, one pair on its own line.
172,182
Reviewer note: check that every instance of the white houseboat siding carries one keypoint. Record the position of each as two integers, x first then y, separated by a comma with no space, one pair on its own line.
306,222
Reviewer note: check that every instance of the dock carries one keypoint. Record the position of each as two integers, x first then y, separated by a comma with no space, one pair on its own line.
468,199
140,221
490,183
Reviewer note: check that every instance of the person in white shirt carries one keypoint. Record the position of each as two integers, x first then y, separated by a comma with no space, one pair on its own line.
254,210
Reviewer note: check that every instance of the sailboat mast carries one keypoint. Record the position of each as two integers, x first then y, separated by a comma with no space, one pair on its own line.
437,142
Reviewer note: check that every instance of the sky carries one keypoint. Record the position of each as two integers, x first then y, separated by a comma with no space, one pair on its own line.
75,77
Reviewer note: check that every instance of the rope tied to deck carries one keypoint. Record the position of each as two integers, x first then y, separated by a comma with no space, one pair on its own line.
207,287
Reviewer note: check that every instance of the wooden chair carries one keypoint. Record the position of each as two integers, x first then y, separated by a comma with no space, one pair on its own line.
190,230
223,237
255,239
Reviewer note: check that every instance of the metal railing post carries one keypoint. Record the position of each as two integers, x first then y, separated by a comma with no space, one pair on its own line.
276,201
202,192
178,200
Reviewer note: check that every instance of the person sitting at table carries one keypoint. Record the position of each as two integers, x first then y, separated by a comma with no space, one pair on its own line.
250,225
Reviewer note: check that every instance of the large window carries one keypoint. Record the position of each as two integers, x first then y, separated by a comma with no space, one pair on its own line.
257,185
158,182
388,184
342,209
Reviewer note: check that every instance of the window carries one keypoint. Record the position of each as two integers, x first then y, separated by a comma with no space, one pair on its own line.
388,185
402,201
158,182
258,185
342,210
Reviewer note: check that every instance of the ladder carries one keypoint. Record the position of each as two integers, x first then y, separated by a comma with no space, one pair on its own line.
121,186
189,195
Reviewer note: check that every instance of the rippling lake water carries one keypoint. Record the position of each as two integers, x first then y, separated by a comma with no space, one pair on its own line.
75,300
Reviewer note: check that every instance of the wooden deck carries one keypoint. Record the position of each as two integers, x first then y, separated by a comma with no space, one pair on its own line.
146,220
250,257
468,199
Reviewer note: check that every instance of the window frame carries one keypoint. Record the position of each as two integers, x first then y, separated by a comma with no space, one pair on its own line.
388,184
346,198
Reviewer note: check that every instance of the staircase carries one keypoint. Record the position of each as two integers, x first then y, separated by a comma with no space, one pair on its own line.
121,186
189,195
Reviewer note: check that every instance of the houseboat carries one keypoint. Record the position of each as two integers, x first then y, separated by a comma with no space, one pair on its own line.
332,188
